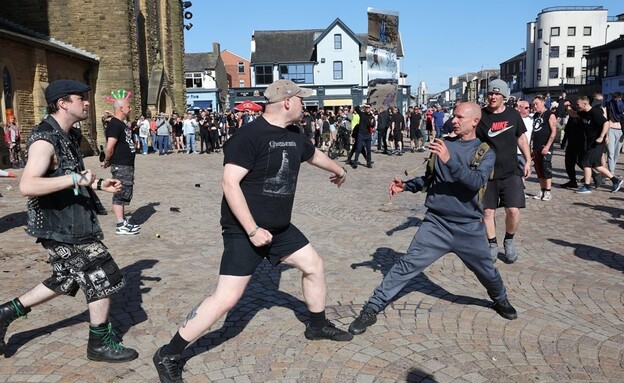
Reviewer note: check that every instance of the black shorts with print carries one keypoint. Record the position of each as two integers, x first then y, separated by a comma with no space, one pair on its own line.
87,266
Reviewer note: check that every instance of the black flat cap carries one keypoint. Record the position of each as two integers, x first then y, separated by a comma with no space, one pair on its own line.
61,88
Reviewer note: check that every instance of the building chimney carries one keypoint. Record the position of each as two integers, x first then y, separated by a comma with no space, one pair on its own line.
253,44
216,48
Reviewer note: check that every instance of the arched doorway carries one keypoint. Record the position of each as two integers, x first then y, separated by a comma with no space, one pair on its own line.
164,104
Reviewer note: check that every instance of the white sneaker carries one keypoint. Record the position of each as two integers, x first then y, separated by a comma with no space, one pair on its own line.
547,196
127,228
539,196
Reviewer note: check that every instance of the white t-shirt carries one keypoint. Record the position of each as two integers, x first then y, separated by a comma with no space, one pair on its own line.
528,122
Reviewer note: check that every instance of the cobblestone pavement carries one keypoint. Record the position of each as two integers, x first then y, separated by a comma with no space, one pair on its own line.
567,286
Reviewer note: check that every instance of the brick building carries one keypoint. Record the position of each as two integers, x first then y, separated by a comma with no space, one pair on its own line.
136,45
238,70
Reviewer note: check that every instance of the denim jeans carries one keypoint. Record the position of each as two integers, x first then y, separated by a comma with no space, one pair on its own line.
144,145
190,143
162,144
154,141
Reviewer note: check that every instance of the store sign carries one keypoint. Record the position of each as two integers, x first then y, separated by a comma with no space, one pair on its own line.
255,93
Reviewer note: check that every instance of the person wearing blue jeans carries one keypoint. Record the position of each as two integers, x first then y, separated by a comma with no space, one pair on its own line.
452,223
438,120
162,131
188,128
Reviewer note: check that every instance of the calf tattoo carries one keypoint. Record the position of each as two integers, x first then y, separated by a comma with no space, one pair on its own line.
191,315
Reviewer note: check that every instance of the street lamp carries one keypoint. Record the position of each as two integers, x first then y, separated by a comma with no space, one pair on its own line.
548,62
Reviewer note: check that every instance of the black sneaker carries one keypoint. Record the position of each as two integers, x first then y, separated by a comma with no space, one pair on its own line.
169,367
367,317
570,185
505,309
330,331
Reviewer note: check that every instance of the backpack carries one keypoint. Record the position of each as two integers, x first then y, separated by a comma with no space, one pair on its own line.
474,163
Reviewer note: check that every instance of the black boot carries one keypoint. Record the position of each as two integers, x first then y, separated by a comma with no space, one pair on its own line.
9,312
103,347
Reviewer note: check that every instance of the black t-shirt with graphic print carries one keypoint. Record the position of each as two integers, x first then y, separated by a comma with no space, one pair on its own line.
124,151
501,132
273,156
541,130
592,122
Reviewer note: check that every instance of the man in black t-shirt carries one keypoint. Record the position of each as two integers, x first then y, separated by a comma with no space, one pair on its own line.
596,127
119,155
544,132
414,118
503,129
261,167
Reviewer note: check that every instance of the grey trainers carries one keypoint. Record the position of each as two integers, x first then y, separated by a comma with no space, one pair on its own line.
510,251
494,251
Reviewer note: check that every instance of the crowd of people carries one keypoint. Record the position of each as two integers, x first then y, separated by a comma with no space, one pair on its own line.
194,132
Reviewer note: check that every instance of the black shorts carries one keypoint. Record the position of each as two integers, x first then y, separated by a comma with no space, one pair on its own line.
88,267
415,133
241,258
397,137
125,174
593,155
506,192
543,165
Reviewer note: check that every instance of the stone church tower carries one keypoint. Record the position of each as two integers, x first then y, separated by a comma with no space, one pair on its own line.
137,45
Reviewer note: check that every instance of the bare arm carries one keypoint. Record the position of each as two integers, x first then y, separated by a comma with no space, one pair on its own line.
552,124
40,158
108,151
603,133
321,161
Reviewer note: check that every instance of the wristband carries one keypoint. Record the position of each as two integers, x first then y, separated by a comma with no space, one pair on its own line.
99,184
254,232
343,174
75,180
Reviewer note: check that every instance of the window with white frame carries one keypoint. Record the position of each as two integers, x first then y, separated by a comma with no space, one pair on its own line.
337,41
338,70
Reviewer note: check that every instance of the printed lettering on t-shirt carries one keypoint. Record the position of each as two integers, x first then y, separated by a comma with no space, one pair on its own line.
283,183
498,128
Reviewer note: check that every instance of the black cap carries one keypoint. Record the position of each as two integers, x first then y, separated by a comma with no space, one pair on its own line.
62,88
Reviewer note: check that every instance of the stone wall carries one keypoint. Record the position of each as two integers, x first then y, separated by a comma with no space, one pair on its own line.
130,38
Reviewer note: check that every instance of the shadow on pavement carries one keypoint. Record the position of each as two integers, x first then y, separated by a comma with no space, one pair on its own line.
595,254
126,307
126,310
142,214
12,221
383,260
410,222
415,375
615,212
261,293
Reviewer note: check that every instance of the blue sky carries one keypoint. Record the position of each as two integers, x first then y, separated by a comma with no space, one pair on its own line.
440,40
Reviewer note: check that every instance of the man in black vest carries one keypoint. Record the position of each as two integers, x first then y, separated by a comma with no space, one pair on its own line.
62,215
